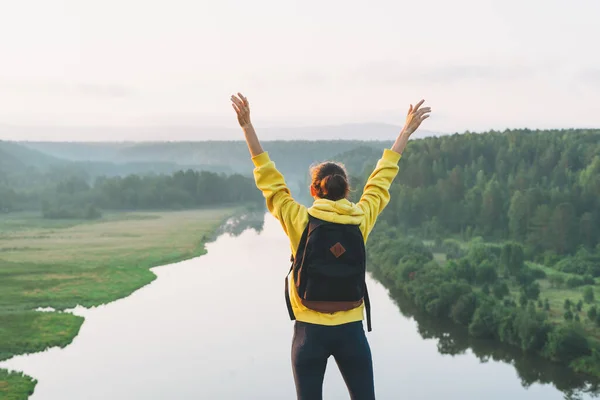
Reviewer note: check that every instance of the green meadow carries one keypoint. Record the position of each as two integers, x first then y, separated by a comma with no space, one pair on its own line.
65,263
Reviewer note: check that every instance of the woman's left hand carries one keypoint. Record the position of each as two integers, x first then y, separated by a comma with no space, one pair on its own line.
242,108
415,117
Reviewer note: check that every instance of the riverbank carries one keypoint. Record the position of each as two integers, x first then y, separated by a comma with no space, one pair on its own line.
65,263
490,290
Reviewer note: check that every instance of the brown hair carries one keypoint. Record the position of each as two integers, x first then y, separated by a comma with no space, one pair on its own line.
330,181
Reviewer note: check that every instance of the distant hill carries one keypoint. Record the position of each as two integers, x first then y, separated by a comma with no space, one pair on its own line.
293,158
23,166
233,154
354,132
360,160
14,153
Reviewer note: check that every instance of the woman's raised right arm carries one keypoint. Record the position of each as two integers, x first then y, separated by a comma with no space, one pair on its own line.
414,118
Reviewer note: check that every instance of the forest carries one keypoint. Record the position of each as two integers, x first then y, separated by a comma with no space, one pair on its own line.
500,233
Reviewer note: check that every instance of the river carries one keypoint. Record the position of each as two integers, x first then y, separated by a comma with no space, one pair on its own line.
216,327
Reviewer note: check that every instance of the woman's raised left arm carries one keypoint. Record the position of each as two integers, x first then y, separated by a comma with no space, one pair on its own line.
292,215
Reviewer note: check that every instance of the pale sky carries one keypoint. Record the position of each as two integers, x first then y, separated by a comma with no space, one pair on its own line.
480,64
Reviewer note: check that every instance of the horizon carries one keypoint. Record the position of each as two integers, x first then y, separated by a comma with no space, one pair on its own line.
386,132
190,133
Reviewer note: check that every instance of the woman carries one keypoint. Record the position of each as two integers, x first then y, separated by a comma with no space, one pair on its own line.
318,332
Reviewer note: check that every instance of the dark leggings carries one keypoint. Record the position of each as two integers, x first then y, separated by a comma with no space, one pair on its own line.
311,347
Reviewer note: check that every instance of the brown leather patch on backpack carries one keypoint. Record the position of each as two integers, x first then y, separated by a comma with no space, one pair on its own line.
331,307
337,250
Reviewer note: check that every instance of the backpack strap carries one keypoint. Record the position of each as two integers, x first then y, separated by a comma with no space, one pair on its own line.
287,294
368,308
312,224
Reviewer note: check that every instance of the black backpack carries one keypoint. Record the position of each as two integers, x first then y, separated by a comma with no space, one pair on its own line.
330,269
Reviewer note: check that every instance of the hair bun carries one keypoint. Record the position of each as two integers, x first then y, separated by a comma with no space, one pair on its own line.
334,186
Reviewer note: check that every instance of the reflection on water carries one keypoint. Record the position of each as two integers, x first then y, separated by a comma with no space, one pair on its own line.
237,224
453,339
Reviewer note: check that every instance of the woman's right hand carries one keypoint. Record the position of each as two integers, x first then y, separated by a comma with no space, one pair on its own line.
414,118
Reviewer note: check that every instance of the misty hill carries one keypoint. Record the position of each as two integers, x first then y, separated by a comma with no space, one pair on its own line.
22,166
360,160
14,154
292,157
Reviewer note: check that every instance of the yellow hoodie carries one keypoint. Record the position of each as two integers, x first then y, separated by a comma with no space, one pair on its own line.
293,217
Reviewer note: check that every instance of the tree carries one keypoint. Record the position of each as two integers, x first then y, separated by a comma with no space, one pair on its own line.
518,214
500,289
568,315
486,273
532,291
588,230
546,305
484,324
512,258
481,254
462,269
462,311
539,236
531,329
588,294
564,228
566,343
525,277
567,305
579,305
485,289
592,313
523,299
492,208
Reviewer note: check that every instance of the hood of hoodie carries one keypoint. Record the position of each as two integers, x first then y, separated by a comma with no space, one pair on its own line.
341,211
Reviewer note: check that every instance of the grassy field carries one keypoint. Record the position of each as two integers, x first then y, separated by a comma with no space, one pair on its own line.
440,258
62,264
557,296
15,385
